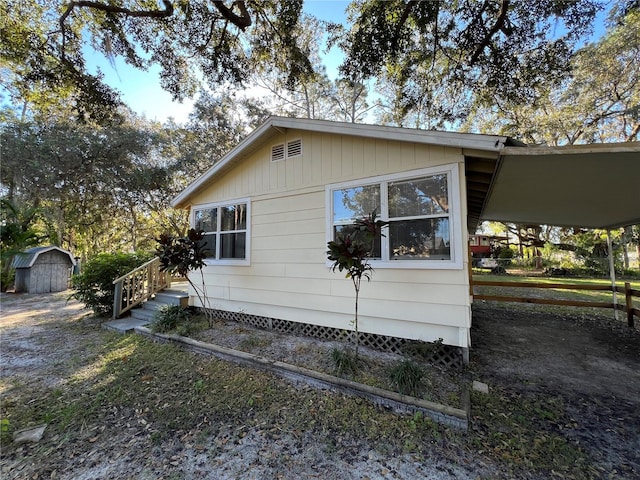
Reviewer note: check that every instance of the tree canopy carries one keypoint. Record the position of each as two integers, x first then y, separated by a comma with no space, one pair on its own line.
501,47
43,43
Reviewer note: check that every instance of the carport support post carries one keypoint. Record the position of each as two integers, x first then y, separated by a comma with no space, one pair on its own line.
612,274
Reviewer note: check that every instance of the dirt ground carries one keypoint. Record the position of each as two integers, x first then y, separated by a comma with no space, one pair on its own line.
590,364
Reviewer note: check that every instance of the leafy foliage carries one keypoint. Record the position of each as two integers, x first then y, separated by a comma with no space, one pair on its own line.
435,53
597,103
16,234
351,253
188,40
181,255
406,377
94,187
171,317
94,286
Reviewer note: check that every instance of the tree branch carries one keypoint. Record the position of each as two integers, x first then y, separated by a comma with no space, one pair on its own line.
499,25
241,21
403,19
167,12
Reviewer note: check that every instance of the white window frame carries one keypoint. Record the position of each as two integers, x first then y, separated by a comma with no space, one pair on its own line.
219,205
455,216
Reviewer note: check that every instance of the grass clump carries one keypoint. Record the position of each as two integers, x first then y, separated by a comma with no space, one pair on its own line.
172,318
345,362
406,377
252,342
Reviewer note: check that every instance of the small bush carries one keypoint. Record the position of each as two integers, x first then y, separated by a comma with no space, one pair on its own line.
406,377
345,362
94,286
172,317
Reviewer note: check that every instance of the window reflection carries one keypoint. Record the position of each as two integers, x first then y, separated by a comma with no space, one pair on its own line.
206,219
420,239
423,196
234,217
352,203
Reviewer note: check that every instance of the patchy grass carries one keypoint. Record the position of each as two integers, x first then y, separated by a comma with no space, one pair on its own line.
525,431
163,392
167,392
128,394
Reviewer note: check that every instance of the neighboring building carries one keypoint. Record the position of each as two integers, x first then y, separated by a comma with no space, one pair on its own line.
43,270
270,206
480,245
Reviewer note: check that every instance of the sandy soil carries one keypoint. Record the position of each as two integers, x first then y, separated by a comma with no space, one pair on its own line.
43,341
591,364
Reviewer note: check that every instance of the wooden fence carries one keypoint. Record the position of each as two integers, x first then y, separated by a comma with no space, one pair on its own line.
627,291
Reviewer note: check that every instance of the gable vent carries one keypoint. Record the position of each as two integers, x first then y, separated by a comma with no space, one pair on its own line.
294,148
277,152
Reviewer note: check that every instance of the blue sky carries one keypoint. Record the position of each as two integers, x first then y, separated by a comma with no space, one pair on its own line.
141,89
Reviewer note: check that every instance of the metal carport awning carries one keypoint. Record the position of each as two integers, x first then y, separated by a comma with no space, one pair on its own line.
591,186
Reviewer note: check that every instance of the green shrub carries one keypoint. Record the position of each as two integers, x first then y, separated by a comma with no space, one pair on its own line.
94,286
172,317
406,377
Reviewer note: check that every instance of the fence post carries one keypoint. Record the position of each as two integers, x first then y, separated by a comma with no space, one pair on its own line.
629,300
117,300
612,274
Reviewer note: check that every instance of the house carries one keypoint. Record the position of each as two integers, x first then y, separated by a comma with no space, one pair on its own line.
43,270
270,206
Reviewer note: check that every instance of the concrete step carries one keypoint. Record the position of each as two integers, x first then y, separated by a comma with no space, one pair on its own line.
173,297
125,325
143,314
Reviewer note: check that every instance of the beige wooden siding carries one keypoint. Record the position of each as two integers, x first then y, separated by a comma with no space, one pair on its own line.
289,278
326,159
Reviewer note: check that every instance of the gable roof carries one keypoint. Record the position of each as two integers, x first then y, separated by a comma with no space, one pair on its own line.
28,258
482,145
594,185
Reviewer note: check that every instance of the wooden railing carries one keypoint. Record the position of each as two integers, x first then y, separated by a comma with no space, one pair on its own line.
627,306
139,285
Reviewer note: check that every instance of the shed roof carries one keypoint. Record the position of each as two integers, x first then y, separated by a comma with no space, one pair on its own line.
28,258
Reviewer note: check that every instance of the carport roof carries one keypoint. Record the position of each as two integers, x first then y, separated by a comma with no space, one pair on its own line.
594,186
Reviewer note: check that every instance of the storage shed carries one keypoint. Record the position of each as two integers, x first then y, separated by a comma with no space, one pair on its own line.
43,270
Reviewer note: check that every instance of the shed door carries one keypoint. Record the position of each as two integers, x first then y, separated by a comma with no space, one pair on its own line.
41,278
49,277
